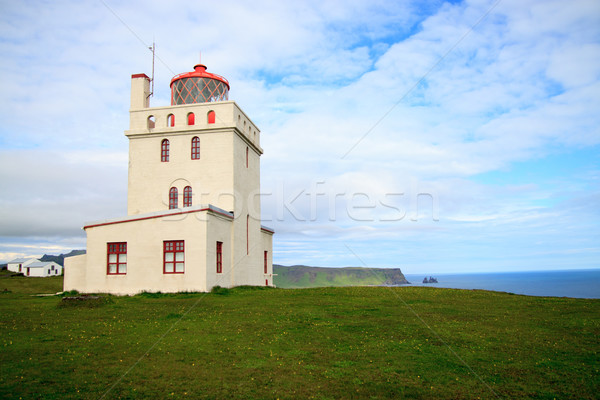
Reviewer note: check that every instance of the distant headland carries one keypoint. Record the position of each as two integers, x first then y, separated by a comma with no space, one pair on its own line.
302,276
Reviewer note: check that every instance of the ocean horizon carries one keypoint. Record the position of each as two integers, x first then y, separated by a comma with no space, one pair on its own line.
554,283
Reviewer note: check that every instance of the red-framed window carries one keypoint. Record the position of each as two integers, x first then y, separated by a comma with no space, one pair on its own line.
247,237
164,150
173,198
266,282
191,119
116,260
174,257
266,261
219,257
187,196
195,148
211,117
170,120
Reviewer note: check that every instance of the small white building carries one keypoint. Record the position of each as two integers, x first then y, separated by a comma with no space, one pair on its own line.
43,269
34,268
193,200
19,264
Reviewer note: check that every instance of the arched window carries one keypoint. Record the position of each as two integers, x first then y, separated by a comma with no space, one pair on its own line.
211,117
151,122
170,120
164,150
173,198
195,148
191,119
187,196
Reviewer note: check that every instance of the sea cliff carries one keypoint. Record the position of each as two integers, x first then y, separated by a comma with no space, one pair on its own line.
301,276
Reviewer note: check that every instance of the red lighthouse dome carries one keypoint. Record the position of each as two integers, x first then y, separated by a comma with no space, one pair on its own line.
198,86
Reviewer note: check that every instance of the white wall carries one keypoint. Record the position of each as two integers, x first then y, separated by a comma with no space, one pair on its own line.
42,272
14,267
144,238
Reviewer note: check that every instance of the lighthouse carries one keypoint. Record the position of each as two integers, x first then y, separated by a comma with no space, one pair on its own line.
193,198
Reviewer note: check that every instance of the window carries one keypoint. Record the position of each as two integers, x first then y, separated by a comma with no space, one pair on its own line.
219,257
211,117
151,122
266,261
191,119
170,120
266,282
246,157
187,196
195,148
247,239
164,150
117,258
173,198
173,257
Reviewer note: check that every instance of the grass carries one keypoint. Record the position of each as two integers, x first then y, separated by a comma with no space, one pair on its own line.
324,343
23,285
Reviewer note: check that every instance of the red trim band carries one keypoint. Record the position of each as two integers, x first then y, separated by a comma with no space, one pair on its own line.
158,216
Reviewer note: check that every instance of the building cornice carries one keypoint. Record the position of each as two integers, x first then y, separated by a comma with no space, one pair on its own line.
209,208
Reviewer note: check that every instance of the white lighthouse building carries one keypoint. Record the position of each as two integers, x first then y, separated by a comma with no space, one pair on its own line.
193,200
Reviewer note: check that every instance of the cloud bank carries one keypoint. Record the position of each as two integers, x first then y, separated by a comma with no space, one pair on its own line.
452,136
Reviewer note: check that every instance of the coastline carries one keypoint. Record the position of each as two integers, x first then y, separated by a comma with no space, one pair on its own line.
556,283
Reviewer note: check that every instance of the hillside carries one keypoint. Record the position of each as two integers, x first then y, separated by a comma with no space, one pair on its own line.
301,276
60,259
322,343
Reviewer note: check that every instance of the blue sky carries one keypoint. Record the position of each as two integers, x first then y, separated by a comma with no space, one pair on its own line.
431,136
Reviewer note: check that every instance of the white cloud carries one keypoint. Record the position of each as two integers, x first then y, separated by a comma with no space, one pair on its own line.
47,193
316,77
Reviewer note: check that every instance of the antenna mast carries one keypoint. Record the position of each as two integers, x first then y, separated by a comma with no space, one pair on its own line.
153,48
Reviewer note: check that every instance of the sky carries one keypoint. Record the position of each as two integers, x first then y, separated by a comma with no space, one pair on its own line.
435,137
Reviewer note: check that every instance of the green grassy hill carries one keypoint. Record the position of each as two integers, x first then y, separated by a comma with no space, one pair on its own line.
301,276
322,343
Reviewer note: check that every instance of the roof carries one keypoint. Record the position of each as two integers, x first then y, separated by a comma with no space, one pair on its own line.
20,260
200,72
41,264
266,228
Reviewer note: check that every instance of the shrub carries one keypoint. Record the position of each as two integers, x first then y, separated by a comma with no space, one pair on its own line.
86,301
220,290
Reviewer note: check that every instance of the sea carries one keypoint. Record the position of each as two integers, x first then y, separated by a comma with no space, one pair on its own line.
572,283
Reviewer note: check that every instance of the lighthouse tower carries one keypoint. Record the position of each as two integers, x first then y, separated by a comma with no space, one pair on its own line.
193,198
